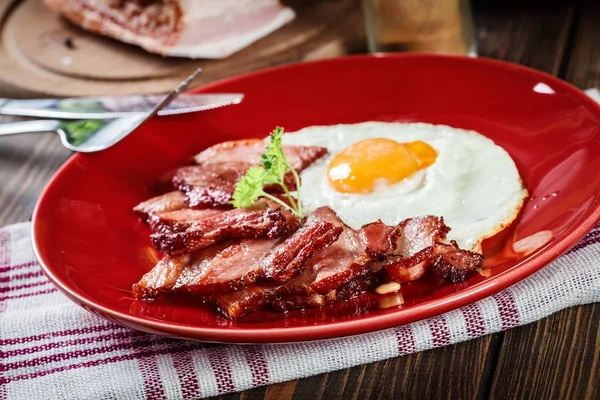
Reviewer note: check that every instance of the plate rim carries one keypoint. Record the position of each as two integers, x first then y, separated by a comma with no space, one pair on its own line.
339,329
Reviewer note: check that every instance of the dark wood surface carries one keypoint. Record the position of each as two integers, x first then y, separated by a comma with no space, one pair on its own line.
555,358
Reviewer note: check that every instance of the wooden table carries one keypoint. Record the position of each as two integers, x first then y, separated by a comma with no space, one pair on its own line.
558,357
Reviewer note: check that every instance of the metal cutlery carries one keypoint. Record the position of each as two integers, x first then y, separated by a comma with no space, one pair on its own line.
114,106
93,134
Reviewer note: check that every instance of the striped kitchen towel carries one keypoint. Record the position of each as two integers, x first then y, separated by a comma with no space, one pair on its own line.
51,348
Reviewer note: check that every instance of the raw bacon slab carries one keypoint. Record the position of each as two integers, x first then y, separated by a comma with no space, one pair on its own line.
182,28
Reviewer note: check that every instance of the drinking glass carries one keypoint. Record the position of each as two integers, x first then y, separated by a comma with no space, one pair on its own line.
435,26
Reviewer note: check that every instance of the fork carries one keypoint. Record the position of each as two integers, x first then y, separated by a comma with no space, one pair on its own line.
92,135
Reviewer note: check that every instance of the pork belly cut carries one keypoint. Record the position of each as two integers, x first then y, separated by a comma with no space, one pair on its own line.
341,262
291,257
167,202
231,268
250,150
286,301
220,167
220,268
211,184
162,278
183,28
179,220
418,246
378,239
454,264
246,300
257,222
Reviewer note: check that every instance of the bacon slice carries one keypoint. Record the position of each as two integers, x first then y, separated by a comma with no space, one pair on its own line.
249,299
167,202
182,28
310,299
220,167
256,222
162,278
378,239
250,151
220,268
290,258
418,245
179,220
341,262
233,265
211,184
454,264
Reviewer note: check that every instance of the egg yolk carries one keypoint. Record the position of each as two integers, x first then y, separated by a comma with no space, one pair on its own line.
359,167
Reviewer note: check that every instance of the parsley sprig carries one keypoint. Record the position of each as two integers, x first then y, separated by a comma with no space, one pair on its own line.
272,170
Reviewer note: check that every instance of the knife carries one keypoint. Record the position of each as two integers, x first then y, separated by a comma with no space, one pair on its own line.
114,106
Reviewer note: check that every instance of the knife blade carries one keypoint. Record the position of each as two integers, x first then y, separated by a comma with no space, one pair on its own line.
114,106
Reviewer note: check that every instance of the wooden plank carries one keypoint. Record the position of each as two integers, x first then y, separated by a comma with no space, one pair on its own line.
583,69
558,358
524,33
439,373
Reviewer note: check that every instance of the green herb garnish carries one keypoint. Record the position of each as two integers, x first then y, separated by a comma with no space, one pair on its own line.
80,131
272,170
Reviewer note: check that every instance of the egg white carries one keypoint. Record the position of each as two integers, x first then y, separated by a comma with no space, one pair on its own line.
474,184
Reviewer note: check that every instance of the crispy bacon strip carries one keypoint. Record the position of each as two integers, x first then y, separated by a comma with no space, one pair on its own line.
162,278
291,257
181,28
310,299
249,299
377,239
256,222
232,268
220,167
179,220
250,151
415,234
233,265
341,262
167,202
419,247
211,184
453,264
223,267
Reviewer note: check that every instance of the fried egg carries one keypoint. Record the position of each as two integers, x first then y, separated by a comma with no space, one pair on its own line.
393,171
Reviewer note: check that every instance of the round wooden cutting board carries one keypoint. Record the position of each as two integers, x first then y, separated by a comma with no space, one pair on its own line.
41,54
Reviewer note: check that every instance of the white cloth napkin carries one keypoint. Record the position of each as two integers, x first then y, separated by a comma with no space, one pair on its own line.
51,348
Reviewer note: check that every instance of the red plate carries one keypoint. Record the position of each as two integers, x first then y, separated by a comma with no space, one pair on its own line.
93,248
